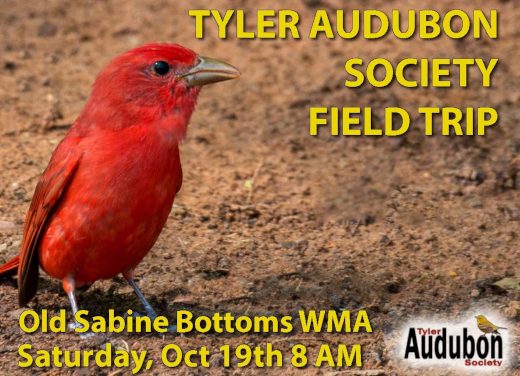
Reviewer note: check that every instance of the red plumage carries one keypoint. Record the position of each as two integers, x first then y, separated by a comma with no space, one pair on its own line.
106,194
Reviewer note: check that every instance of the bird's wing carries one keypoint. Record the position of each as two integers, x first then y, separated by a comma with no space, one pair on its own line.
484,326
53,183
491,325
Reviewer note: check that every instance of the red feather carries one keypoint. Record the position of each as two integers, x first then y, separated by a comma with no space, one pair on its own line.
10,267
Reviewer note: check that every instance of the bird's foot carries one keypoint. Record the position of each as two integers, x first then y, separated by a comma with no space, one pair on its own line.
152,315
74,325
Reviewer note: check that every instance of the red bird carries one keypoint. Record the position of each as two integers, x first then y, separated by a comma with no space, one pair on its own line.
106,194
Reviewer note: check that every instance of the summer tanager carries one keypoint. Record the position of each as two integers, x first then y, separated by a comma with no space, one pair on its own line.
105,196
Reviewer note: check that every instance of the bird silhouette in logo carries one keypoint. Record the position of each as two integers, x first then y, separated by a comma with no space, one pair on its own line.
487,326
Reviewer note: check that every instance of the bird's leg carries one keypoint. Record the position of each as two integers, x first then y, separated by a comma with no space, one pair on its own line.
150,312
69,285
129,276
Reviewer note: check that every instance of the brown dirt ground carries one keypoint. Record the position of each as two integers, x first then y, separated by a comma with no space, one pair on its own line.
401,227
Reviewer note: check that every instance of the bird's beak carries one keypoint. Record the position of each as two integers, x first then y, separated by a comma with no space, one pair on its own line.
209,71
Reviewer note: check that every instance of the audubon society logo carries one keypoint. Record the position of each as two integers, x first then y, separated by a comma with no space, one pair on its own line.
477,344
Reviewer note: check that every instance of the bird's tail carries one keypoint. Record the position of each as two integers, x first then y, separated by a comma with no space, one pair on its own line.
9,268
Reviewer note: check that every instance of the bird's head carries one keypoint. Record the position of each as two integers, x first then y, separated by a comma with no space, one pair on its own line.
153,82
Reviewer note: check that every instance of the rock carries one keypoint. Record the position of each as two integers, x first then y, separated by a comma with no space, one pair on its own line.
475,202
7,226
385,241
24,87
511,213
394,287
24,54
216,360
300,245
429,237
15,314
477,176
47,29
313,3
52,59
509,283
366,219
9,66
513,310
470,174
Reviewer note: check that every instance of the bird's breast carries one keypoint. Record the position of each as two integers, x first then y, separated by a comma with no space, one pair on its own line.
115,207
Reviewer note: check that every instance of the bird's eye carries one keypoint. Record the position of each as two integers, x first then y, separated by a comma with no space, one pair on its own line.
161,67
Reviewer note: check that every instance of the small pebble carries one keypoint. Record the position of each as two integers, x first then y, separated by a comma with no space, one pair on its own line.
47,29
